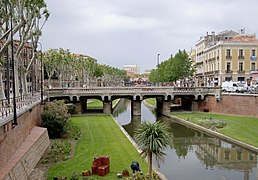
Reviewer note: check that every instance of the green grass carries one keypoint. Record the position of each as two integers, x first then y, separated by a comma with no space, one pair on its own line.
95,104
100,136
98,103
151,101
241,128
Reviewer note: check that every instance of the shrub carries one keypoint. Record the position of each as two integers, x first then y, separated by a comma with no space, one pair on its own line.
71,108
55,118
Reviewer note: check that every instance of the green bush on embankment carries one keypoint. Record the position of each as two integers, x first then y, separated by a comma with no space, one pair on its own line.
100,136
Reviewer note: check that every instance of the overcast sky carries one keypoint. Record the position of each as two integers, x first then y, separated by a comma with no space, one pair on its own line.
119,32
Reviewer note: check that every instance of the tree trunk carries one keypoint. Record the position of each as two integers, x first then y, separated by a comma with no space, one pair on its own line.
150,166
2,94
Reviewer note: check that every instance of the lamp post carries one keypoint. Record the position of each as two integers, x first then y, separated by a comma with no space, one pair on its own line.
15,123
158,68
41,73
7,64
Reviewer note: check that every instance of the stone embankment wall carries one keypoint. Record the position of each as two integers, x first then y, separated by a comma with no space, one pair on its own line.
232,104
27,156
12,139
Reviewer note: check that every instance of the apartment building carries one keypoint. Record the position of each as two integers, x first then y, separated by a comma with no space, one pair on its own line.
131,70
33,73
226,56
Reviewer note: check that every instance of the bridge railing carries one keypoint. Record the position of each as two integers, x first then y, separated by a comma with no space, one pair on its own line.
162,89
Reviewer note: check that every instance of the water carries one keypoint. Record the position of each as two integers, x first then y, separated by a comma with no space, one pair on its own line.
194,155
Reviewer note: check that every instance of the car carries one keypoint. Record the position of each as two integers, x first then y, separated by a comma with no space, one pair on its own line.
253,89
230,86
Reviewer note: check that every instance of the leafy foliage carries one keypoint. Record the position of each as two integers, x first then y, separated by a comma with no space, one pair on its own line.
55,118
173,69
152,139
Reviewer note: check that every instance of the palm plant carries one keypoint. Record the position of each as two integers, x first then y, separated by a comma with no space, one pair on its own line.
152,139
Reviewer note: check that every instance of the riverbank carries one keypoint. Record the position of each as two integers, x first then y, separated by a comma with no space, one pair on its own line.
245,136
100,136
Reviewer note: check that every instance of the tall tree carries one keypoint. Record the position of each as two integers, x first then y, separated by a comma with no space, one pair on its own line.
23,19
152,139
173,69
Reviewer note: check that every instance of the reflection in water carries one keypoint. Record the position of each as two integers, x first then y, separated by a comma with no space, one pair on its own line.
194,155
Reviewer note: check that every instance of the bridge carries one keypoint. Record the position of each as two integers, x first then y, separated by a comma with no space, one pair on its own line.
163,94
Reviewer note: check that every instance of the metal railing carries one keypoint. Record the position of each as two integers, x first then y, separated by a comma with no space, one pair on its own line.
21,102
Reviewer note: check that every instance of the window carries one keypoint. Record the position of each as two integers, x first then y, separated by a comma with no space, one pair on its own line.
241,79
228,78
240,66
228,53
253,52
241,53
252,66
228,66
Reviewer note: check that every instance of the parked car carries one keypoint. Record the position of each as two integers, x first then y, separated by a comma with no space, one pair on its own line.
230,86
253,89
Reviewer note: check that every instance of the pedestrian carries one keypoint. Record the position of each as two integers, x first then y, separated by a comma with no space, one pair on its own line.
135,166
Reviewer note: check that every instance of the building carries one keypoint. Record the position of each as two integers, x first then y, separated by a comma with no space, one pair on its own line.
32,73
226,56
132,69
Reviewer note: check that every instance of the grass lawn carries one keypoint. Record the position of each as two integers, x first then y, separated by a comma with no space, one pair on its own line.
244,129
100,136
151,101
97,103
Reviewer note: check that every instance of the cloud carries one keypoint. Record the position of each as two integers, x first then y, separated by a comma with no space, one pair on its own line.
118,32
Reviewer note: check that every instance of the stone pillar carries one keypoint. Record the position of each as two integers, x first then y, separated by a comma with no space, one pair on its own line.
136,108
83,102
166,107
78,109
195,106
107,107
163,106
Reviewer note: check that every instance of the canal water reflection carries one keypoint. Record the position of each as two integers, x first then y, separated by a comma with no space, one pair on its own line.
193,155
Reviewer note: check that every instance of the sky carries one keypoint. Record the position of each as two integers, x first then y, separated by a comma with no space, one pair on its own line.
125,32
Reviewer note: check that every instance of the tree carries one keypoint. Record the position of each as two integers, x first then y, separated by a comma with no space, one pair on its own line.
173,69
152,140
24,20
55,118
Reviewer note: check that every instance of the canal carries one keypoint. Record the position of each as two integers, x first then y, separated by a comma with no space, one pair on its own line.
193,155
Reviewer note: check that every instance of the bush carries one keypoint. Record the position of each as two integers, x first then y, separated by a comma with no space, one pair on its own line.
55,118
71,108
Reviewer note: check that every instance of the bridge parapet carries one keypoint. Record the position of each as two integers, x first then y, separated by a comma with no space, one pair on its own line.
132,91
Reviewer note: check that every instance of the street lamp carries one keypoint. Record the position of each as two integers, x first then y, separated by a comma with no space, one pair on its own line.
41,73
15,123
158,68
7,63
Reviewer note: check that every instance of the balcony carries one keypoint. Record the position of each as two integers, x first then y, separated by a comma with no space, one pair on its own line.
241,57
228,71
228,57
209,73
212,59
241,71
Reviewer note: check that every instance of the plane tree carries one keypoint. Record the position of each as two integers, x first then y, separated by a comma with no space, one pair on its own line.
24,20
175,68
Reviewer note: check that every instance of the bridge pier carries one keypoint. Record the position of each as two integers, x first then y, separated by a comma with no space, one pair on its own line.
136,107
163,106
107,107
194,106
81,106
